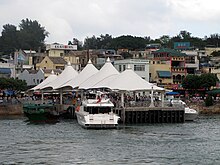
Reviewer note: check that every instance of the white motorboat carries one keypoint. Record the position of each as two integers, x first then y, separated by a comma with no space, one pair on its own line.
190,114
97,113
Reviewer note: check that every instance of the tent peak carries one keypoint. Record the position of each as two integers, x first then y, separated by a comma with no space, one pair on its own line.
108,60
68,64
129,67
89,62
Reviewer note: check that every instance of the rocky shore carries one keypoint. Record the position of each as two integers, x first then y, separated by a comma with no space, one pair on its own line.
202,109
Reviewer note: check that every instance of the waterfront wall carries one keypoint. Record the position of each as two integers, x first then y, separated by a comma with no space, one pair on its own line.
10,109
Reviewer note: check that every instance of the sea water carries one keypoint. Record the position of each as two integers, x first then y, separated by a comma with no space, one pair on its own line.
68,143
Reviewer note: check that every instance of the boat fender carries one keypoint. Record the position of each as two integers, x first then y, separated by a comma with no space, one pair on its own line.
77,108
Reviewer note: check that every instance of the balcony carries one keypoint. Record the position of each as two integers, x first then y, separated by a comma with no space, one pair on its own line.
178,69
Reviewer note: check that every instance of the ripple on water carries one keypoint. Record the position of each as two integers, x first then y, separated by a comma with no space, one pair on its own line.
67,143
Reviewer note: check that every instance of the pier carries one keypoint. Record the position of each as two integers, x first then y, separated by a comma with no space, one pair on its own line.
136,115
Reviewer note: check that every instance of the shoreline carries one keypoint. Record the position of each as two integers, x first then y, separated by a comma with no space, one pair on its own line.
17,109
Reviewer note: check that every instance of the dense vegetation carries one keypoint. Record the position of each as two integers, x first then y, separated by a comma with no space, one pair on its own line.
139,43
13,84
31,35
204,81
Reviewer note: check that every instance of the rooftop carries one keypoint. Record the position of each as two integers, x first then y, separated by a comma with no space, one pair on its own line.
170,52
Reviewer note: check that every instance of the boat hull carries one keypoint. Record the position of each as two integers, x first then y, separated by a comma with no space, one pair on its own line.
97,121
190,114
40,113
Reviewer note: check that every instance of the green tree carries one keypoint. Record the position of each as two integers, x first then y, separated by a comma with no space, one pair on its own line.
164,40
8,40
191,82
104,41
129,42
31,35
76,42
91,43
14,84
208,80
213,40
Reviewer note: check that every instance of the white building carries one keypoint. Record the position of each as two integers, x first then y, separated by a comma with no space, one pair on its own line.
191,61
139,66
7,69
32,77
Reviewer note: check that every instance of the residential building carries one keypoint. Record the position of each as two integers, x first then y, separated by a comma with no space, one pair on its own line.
59,50
160,72
52,63
141,67
32,77
176,60
146,54
191,61
210,49
7,68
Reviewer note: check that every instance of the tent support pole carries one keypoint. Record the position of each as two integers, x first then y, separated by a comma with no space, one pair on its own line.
162,99
42,96
152,98
123,107
61,96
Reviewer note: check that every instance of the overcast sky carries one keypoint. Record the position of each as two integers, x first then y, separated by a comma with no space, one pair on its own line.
67,19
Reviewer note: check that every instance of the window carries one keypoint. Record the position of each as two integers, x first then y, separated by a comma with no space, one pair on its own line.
124,67
139,68
119,68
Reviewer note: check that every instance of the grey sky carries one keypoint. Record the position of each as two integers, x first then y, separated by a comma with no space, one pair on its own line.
67,19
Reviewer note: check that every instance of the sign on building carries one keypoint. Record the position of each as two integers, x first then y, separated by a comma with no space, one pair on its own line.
61,47
181,45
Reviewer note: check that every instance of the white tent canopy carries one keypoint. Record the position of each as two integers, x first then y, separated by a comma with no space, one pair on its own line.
49,79
86,73
128,80
106,71
68,73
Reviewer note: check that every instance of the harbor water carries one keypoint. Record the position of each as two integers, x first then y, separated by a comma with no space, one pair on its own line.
67,143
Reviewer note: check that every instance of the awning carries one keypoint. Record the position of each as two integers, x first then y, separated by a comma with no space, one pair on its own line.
172,93
164,74
214,91
5,71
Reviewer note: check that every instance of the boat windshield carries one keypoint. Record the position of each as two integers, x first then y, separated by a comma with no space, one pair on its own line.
96,110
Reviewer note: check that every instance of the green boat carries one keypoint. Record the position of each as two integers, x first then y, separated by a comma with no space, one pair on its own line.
41,113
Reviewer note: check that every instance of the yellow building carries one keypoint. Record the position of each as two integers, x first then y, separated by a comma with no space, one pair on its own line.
159,72
59,50
52,63
210,50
